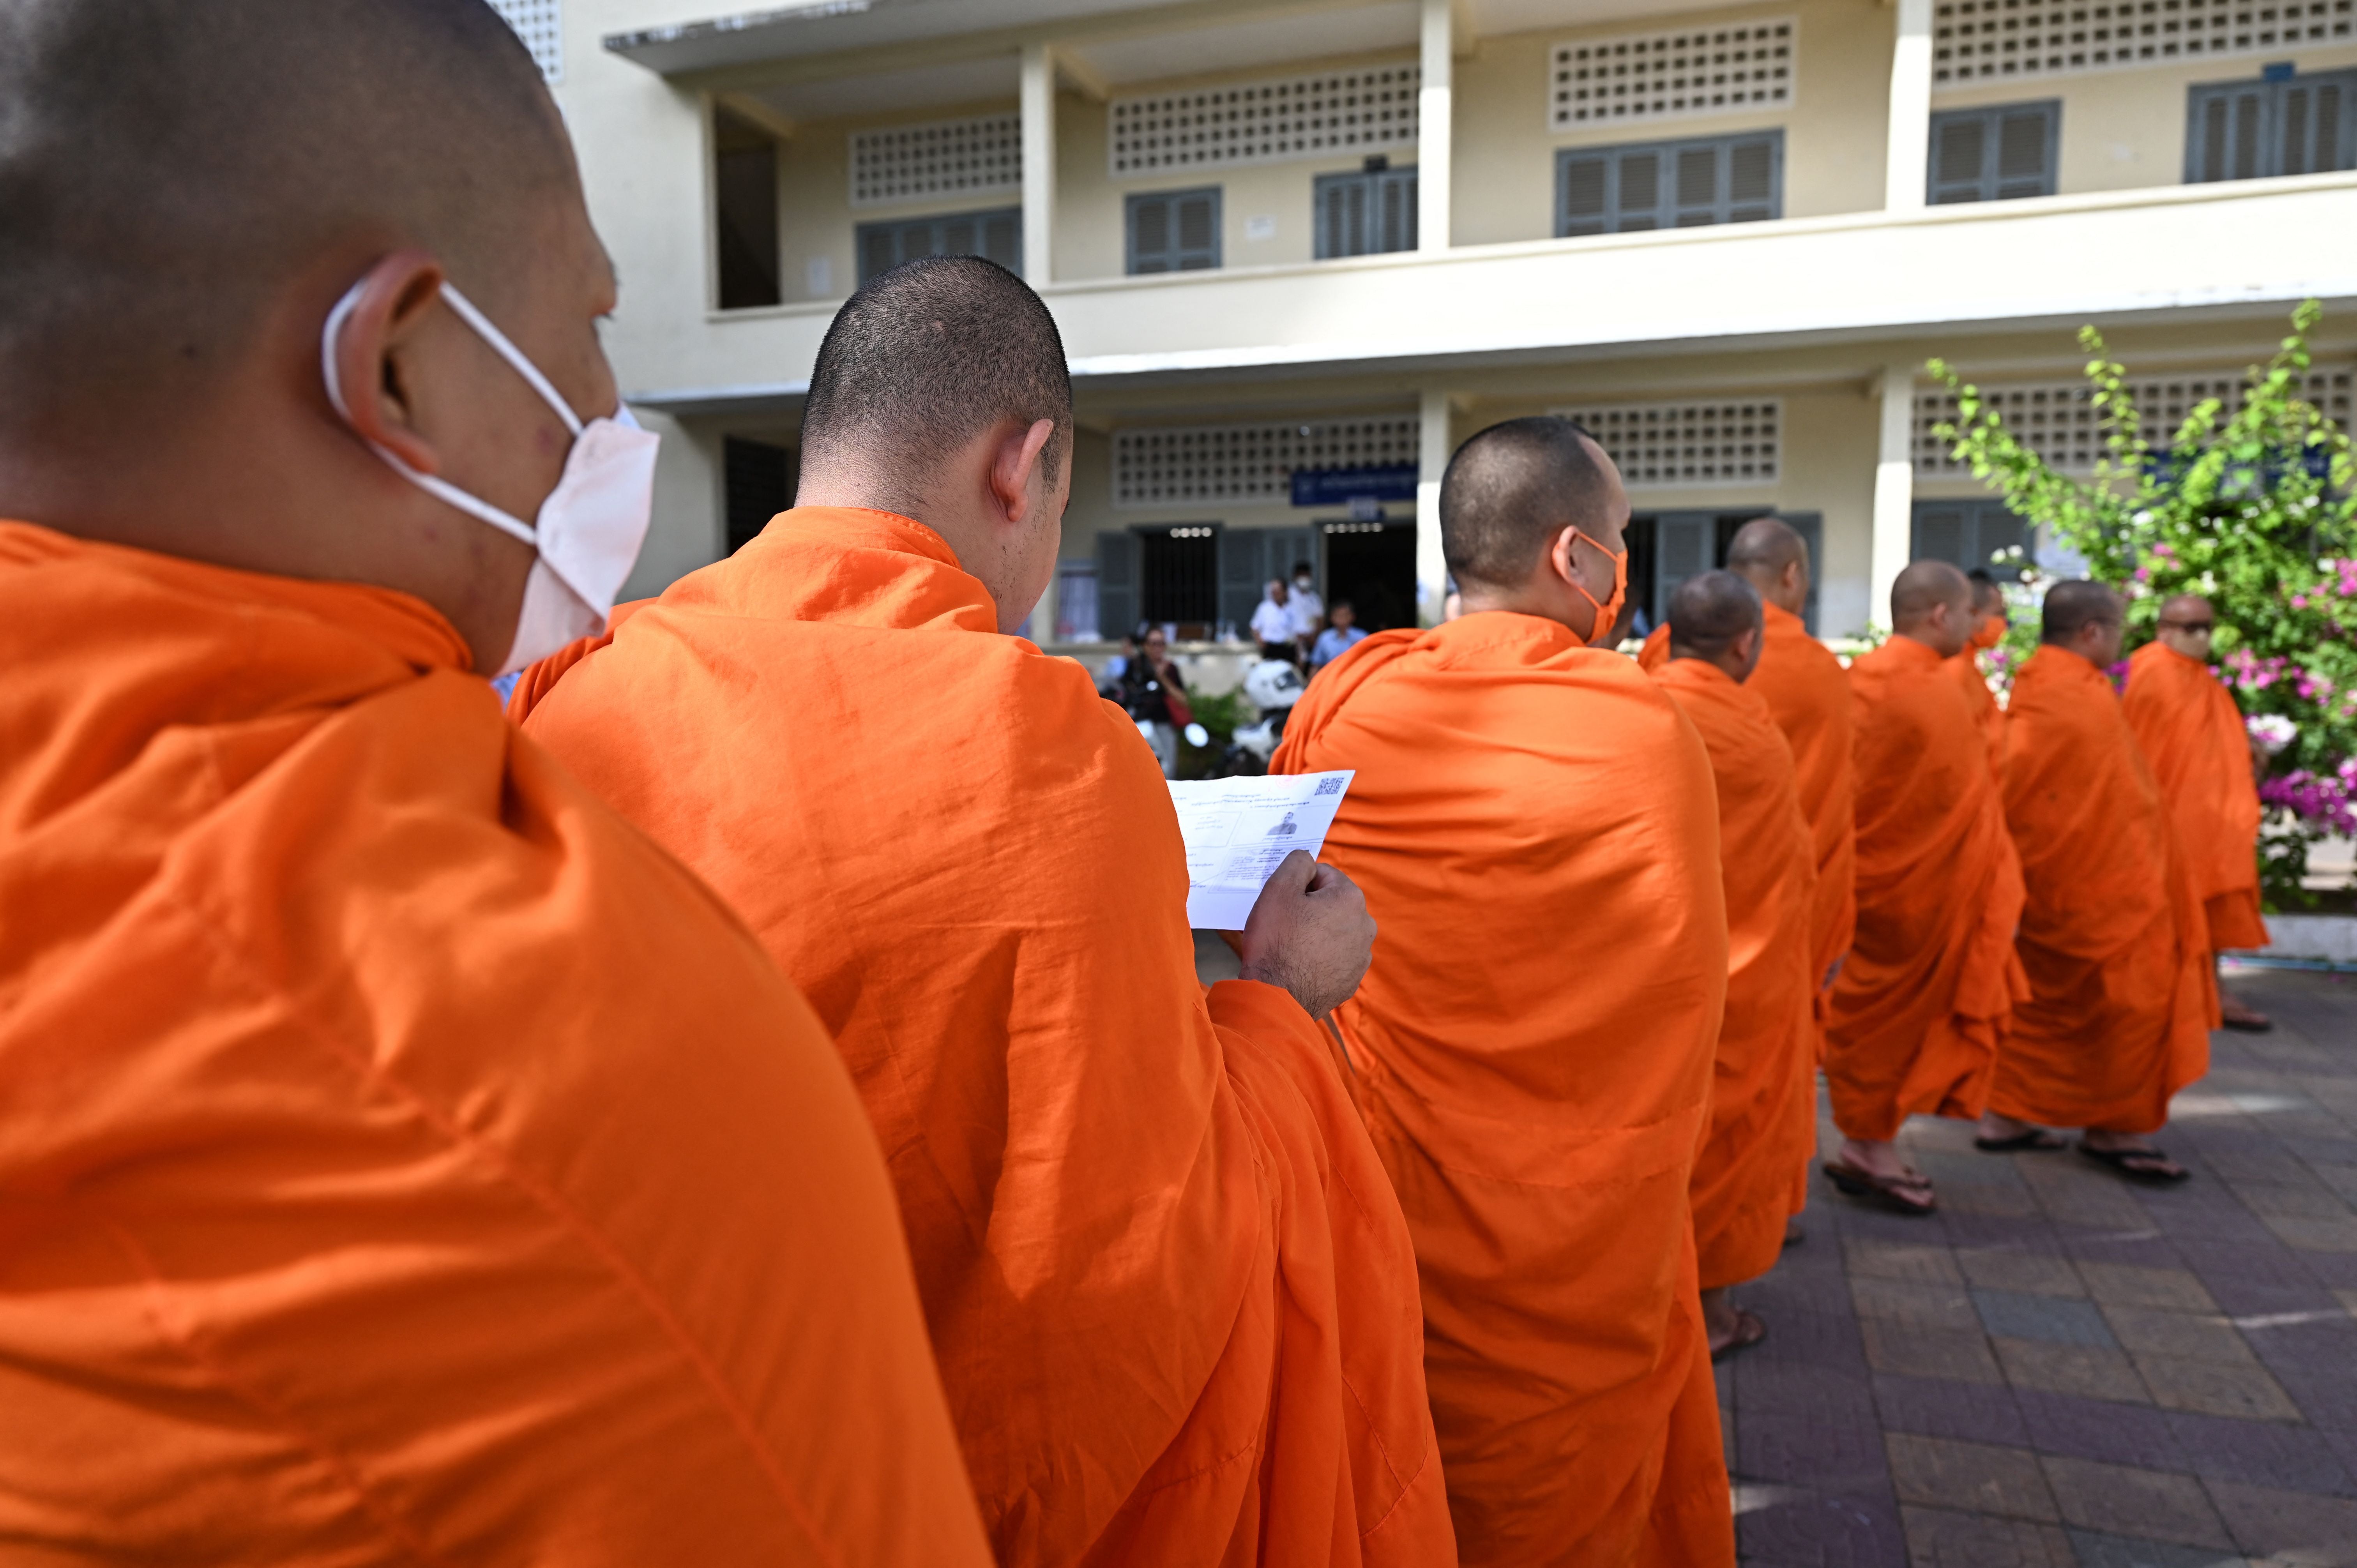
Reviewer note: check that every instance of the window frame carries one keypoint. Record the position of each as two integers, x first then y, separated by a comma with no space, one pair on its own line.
1990,179
1666,206
981,217
1136,201
1371,225
2271,92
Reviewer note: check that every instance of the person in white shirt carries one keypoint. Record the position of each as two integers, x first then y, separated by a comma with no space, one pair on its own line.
1304,608
1272,623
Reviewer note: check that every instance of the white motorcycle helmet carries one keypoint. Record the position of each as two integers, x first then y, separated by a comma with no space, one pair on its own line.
1273,683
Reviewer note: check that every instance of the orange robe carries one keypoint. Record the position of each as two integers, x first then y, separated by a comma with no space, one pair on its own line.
2123,992
1173,1300
1535,826
401,1159
1923,1001
2193,738
1990,718
1807,690
1752,1176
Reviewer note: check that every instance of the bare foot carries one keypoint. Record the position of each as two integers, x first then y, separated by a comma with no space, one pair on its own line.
2004,1136
2132,1154
2234,1015
1793,1234
1730,1327
1871,1168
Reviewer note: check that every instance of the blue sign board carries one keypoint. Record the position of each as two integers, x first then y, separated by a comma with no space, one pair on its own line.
1340,486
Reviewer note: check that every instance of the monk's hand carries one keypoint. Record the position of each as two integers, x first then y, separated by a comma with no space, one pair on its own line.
1309,934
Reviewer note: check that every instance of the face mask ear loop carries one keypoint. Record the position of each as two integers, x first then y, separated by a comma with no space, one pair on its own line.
510,353
440,489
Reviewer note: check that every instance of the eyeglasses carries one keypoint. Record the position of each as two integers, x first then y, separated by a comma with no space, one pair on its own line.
2204,626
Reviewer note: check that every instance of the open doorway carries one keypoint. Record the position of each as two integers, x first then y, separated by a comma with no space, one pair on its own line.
1373,566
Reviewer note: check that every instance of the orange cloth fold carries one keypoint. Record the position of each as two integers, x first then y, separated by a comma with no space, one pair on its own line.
2192,735
1173,1299
1807,690
401,1159
2122,991
1752,1175
1535,827
1922,1003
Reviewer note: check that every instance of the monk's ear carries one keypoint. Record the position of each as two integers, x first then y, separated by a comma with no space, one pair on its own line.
374,352
1017,477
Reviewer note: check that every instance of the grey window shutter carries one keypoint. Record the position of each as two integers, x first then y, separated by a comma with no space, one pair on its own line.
878,250
1811,527
1333,219
1116,585
1198,230
2025,150
1940,535
1150,235
1698,185
1752,195
1395,223
1959,148
1994,528
2250,130
1287,547
1580,199
997,234
1174,230
1640,190
1244,570
1682,549
1002,239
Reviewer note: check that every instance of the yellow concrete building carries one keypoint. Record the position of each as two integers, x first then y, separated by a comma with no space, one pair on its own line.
1300,248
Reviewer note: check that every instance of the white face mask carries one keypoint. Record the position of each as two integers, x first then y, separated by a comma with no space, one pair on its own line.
588,529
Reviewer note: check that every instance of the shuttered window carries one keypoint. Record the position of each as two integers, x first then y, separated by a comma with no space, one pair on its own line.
997,235
1174,231
1670,184
1994,154
2249,130
1365,214
1968,533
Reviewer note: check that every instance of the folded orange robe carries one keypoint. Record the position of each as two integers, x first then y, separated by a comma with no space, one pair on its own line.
1536,831
1752,1175
2193,738
1173,1300
401,1159
2122,991
1971,681
1923,1001
1808,692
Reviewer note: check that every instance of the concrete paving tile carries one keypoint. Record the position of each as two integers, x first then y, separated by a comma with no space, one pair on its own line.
2328,1399
2151,1505
2126,1285
1806,1427
1813,1529
2332,1269
1910,1264
2348,1299
2036,1273
1991,1200
2291,1200
2199,1336
2137,1436
1977,1476
2291,1527
2254,1157
2211,1389
2087,1371
1901,1301
1942,1538
1917,1352
2317,1235
1966,1167
2096,1550
1976,1413
1962,1229
2016,1315
2100,1202
2294,1344
2262,1454
2340,1178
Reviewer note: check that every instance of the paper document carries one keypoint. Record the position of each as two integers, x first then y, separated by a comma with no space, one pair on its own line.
1238,831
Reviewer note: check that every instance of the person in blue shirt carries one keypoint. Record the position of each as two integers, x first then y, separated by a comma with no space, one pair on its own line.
1337,637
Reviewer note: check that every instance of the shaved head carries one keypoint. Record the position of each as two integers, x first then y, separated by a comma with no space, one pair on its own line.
1770,554
1710,618
1510,490
1932,602
1988,594
2185,606
923,359
168,167
2071,606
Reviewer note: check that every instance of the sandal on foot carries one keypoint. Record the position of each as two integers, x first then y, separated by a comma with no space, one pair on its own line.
2249,1023
1749,1331
1854,1181
2122,1161
2031,1141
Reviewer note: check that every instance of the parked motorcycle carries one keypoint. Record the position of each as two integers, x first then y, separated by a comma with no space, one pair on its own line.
1271,686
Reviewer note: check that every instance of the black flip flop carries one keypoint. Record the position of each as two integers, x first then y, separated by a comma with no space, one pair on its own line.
2118,1160
1749,1331
2033,1141
1855,1182
2262,1024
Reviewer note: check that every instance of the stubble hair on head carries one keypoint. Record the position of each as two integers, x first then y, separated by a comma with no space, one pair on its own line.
1509,490
1764,547
169,169
2071,605
919,362
1922,586
1707,612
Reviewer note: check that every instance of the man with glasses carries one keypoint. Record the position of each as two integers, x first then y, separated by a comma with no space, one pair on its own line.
2193,735
2122,994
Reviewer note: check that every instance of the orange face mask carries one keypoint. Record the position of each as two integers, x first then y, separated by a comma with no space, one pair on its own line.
1988,631
1608,613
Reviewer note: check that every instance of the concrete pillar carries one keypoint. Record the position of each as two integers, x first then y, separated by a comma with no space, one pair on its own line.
1436,128
1038,163
1894,491
1432,457
1910,109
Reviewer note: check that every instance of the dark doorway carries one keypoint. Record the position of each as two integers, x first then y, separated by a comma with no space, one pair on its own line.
1372,564
1180,577
757,479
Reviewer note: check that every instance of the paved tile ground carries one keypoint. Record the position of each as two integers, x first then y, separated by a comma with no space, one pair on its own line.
2060,1368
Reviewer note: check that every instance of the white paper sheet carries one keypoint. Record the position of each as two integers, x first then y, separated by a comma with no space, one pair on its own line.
1238,831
